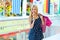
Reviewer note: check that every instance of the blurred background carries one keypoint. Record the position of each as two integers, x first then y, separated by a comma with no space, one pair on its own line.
14,14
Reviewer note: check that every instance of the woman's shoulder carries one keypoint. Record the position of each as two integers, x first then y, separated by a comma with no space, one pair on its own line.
42,15
39,14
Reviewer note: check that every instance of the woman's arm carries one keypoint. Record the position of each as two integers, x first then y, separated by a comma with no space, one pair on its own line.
41,16
31,24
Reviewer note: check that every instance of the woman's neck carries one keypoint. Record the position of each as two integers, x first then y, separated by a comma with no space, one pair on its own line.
35,16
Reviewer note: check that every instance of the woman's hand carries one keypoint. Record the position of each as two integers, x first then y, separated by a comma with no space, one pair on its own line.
32,24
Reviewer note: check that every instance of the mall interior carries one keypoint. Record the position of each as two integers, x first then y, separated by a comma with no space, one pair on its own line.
14,14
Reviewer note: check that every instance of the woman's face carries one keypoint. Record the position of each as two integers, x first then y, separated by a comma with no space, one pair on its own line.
34,10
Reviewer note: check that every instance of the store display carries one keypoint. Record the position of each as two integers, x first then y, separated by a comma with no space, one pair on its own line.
31,1
39,4
47,6
1,8
28,9
51,7
16,4
57,7
15,7
8,7
29,4
21,8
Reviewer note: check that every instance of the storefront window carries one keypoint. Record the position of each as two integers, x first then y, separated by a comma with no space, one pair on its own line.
10,8
29,4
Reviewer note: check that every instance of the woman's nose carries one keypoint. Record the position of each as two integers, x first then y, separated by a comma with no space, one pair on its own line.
33,11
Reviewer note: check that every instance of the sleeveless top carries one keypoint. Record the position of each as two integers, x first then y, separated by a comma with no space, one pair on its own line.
36,32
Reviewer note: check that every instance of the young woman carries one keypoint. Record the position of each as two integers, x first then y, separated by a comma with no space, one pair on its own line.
35,22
